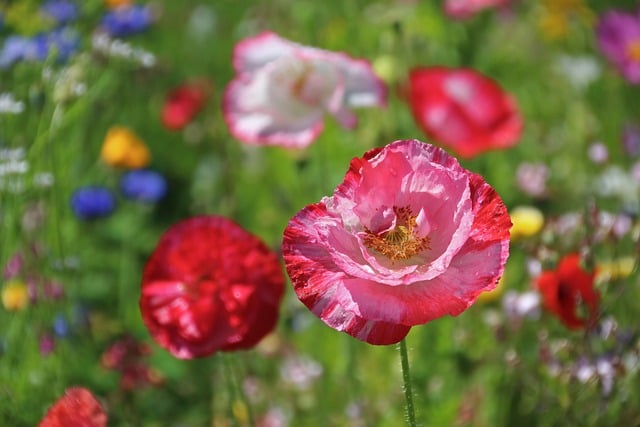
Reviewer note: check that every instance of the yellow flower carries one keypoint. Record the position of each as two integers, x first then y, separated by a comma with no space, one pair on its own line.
112,4
616,269
15,295
122,148
556,17
527,221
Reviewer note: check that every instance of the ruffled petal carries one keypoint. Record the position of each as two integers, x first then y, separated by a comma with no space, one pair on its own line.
476,268
78,407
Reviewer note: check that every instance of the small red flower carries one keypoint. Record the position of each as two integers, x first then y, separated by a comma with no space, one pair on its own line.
566,289
210,286
182,104
77,408
463,109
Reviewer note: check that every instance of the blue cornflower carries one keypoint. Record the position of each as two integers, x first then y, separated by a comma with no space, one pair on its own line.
125,21
92,202
61,326
143,185
63,41
15,49
62,11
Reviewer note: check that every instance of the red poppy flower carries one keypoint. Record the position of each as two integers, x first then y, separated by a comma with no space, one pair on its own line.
77,408
208,286
182,104
463,109
566,289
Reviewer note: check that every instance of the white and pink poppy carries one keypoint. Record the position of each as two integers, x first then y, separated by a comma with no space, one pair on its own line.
408,237
282,91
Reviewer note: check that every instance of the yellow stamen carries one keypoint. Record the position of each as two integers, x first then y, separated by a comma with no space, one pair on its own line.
401,242
633,50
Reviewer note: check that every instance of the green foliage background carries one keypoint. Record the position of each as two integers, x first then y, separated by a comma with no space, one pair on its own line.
465,370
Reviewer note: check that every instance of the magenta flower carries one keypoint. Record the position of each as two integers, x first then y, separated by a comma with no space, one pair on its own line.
408,237
282,91
618,35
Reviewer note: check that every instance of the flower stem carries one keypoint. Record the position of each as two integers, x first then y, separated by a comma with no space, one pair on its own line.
240,406
406,378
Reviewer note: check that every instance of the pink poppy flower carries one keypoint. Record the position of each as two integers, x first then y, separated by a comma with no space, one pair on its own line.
567,289
618,35
464,110
282,91
408,237
210,286
463,9
77,408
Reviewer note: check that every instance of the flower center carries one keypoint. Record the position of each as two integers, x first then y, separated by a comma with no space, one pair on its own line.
400,243
633,50
298,86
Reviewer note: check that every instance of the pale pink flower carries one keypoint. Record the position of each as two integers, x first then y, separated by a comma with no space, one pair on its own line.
408,237
463,9
282,91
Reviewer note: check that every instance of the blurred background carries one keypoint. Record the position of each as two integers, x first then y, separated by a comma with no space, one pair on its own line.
71,73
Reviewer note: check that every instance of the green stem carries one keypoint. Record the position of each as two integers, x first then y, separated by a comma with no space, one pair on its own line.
235,390
406,378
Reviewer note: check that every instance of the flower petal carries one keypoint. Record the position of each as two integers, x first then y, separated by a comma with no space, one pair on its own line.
78,407
254,52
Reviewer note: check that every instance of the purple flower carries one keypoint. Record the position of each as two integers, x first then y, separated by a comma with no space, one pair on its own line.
62,11
92,202
127,20
631,139
47,344
618,35
13,267
143,185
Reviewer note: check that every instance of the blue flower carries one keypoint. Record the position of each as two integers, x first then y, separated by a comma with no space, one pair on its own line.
125,21
15,49
63,41
61,325
143,185
92,202
62,11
